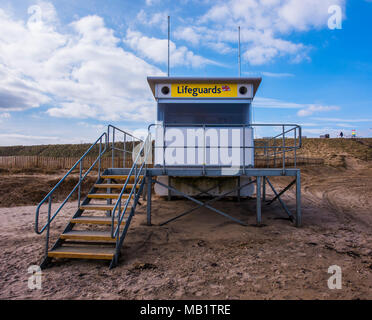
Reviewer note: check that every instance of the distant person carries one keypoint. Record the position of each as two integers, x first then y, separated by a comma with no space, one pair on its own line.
341,134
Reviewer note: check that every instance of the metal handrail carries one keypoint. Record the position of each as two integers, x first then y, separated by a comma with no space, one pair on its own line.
49,196
104,143
126,135
120,216
122,131
269,151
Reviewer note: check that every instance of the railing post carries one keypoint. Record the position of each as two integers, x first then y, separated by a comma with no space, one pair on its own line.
99,161
149,190
163,148
238,191
119,213
244,150
48,227
298,200
205,150
135,180
125,150
109,201
133,157
80,175
283,149
169,191
258,201
295,147
117,240
113,149
146,147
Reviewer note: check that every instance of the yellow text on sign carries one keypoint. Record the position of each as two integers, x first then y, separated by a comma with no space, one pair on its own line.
204,90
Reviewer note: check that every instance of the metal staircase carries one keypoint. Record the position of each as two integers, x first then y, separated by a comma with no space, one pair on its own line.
99,226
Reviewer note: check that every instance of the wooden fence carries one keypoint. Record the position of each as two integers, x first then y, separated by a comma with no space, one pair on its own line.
277,162
29,162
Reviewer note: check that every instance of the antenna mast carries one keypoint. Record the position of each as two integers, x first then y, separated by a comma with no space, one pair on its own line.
239,58
168,46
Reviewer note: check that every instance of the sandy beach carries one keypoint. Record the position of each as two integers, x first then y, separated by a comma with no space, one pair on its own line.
205,256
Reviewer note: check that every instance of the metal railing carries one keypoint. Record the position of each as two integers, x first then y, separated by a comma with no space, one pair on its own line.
279,145
128,142
138,168
49,196
79,163
286,141
104,145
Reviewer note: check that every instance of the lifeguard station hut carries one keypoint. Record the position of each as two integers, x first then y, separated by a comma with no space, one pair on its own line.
202,144
205,123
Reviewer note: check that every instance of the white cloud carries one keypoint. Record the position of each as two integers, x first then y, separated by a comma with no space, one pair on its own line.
18,93
308,124
275,104
343,120
157,19
264,25
152,2
277,15
311,109
265,48
10,136
98,127
269,74
305,109
344,125
277,75
156,50
259,46
305,14
5,115
80,73
73,110
206,36
190,34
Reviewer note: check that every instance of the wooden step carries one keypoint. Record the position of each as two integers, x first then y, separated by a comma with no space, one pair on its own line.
114,186
83,252
87,235
95,220
109,186
102,207
107,196
121,177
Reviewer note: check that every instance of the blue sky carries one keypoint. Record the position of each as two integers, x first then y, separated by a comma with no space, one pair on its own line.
69,68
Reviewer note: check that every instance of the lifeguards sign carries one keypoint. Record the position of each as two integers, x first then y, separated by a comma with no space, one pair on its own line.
204,90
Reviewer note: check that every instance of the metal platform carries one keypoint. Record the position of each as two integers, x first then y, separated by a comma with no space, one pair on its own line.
260,177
